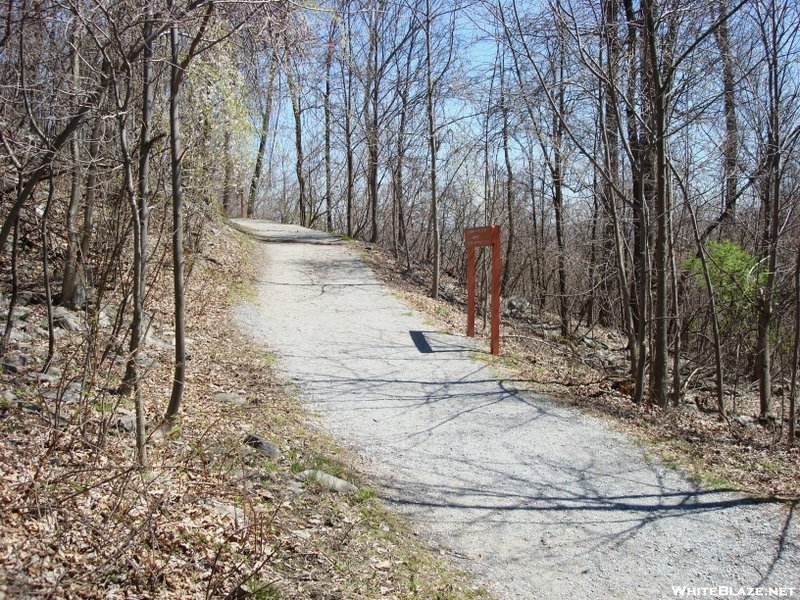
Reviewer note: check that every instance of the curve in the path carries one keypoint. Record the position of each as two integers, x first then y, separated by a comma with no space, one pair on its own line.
535,498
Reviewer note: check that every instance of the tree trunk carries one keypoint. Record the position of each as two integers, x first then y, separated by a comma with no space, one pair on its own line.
227,192
730,148
294,96
371,121
658,112
509,187
178,381
262,142
140,218
432,147
72,286
91,183
327,108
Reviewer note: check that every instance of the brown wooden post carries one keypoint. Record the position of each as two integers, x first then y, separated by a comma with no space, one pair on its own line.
471,291
478,237
495,290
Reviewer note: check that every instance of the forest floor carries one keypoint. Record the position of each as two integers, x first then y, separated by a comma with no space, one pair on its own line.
588,371
212,517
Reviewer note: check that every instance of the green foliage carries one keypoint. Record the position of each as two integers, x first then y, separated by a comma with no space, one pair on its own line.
365,494
733,272
262,591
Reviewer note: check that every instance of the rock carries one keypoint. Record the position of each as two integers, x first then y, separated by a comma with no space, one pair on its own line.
448,291
59,396
296,488
214,452
17,335
156,342
25,298
517,305
66,319
264,446
147,319
418,279
21,313
689,407
56,417
230,398
7,395
746,422
107,316
226,510
329,482
31,408
51,376
42,332
248,453
146,362
18,360
127,423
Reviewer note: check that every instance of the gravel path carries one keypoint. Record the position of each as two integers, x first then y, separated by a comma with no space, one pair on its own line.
533,498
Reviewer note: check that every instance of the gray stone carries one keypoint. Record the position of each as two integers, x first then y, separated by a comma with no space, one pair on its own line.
25,298
296,488
42,331
30,407
226,510
17,335
51,376
146,362
62,396
329,482
21,313
107,316
18,360
230,398
746,422
248,453
517,305
689,407
66,319
264,446
157,342
147,319
8,395
448,291
127,423
56,417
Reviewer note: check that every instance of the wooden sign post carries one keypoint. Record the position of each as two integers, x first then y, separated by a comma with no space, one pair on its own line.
475,237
